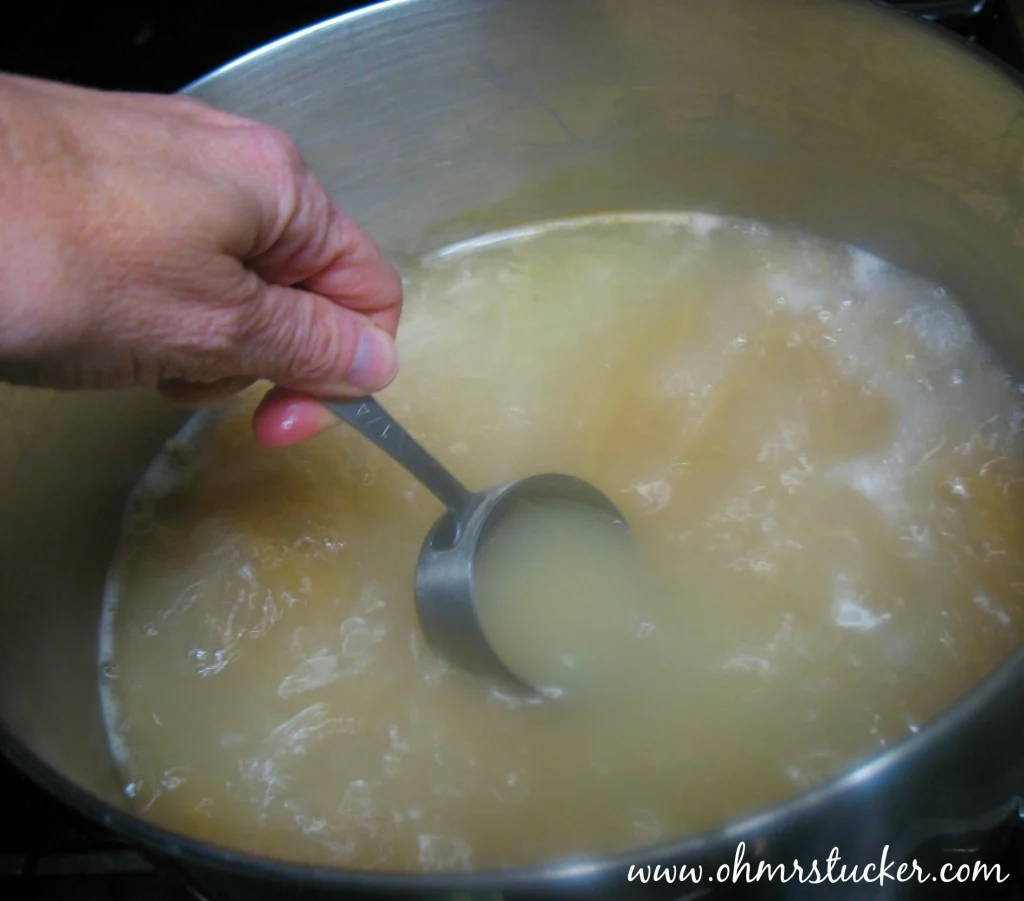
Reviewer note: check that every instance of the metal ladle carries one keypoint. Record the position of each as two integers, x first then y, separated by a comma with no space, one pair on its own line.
445,600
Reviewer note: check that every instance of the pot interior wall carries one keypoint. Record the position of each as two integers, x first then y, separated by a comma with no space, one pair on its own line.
437,119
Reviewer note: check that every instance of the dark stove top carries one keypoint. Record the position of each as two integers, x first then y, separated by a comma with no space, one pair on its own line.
159,45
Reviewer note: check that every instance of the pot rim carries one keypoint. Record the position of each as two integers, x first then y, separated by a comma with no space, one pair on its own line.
873,772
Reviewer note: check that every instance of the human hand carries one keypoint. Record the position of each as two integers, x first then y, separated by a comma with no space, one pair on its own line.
150,240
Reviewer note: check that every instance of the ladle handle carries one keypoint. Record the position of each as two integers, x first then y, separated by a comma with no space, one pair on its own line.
372,421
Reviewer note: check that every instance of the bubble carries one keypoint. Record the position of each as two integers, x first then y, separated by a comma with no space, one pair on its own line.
992,609
439,853
174,778
652,496
703,224
319,670
958,487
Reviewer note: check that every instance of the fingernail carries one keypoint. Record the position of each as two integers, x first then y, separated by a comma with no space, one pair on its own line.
375,362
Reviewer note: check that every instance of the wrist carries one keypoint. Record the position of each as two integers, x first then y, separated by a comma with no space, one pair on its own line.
34,216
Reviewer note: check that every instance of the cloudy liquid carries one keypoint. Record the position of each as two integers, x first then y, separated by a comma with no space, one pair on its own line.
822,470
562,596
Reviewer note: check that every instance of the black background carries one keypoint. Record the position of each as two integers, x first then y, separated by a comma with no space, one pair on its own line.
152,45
163,45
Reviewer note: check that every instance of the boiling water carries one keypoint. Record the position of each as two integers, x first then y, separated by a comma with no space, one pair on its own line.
822,470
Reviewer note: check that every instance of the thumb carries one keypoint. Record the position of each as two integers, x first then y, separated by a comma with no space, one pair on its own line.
303,341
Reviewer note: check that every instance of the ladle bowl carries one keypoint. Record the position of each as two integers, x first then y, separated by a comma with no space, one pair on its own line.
445,571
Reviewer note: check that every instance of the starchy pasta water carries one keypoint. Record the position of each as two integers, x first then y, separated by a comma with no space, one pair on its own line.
821,465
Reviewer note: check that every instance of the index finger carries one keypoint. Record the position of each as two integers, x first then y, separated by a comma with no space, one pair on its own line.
311,242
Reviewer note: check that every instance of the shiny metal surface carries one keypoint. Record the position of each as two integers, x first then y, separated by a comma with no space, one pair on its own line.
445,596
433,120
445,570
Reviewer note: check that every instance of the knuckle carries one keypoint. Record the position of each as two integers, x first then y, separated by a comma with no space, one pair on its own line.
204,349
305,347
277,150
317,354
202,112
188,104
220,332
198,112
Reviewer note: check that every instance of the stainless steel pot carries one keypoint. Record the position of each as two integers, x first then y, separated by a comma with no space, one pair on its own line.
432,120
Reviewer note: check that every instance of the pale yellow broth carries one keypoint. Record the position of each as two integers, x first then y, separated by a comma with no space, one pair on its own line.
822,469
